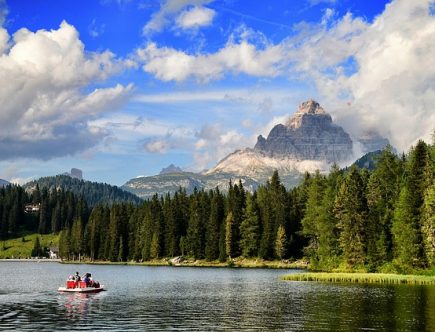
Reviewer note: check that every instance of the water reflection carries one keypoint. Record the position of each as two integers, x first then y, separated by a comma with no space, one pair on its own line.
78,304
159,298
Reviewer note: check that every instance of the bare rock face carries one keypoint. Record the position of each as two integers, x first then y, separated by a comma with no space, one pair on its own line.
309,135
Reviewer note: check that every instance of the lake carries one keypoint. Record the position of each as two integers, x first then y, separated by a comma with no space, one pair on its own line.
203,299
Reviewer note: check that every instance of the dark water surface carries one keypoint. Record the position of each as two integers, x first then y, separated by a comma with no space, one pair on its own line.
203,299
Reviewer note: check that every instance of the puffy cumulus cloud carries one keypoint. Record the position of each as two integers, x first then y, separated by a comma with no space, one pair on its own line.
370,75
158,146
213,143
169,9
169,64
195,17
45,112
392,90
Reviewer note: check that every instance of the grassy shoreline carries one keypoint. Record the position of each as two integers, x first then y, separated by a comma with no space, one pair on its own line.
368,278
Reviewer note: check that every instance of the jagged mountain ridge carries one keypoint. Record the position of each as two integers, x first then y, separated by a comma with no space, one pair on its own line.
171,169
307,142
147,186
309,135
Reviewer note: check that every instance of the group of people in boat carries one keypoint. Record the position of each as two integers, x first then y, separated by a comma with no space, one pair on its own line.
87,278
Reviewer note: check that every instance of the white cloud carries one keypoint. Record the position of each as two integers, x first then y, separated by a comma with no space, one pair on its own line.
168,64
4,39
383,69
168,10
157,146
262,97
214,143
195,17
44,111
95,30
393,88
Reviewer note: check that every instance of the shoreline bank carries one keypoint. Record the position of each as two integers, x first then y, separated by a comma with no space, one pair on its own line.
243,263
38,260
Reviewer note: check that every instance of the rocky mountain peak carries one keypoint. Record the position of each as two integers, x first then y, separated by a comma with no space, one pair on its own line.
309,134
310,106
309,113
171,169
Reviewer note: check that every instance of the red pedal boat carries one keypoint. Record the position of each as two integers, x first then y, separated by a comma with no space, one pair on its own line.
80,287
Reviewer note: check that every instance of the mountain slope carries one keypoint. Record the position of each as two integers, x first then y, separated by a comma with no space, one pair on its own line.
307,142
93,192
259,166
369,160
3,183
146,187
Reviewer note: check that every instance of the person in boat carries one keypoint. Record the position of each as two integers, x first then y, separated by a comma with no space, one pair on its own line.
86,279
77,277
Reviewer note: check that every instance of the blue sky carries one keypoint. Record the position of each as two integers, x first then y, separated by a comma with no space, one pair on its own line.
123,88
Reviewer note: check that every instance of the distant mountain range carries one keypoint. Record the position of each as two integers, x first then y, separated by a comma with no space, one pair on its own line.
3,183
93,192
147,186
307,142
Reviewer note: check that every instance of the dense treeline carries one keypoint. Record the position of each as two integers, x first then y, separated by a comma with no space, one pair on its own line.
373,219
93,192
204,225
54,211
355,217
381,219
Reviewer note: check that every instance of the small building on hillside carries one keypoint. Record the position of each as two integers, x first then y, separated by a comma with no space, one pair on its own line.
32,208
53,253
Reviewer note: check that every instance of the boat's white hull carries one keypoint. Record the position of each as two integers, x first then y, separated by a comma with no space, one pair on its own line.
81,290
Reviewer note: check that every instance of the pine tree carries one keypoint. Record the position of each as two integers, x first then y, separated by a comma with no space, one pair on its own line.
76,239
250,229
382,194
121,255
229,235
280,242
313,216
350,210
407,228
195,231
213,226
155,247
428,225
405,238
65,244
266,249
37,250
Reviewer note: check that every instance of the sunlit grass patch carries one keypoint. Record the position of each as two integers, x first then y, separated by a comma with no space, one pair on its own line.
21,247
375,278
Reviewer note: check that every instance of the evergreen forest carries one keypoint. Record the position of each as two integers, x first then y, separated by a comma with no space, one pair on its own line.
378,220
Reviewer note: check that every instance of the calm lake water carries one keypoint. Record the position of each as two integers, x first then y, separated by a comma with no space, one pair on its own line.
203,299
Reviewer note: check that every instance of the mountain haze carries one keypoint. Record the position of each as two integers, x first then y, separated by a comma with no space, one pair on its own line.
308,141
3,183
